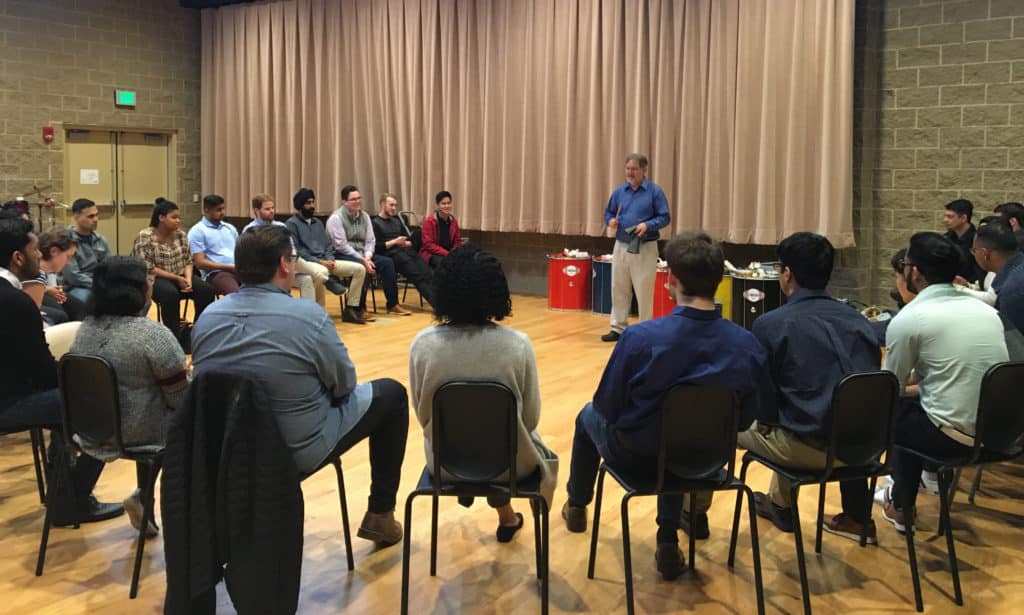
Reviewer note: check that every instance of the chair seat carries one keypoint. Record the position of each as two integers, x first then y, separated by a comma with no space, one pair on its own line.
946,462
527,487
646,483
806,476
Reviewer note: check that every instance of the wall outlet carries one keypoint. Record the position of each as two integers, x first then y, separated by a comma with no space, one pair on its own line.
195,197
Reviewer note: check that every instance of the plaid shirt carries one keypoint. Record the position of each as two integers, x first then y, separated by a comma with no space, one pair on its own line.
171,256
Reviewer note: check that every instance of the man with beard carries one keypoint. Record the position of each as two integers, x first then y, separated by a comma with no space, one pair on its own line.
393,241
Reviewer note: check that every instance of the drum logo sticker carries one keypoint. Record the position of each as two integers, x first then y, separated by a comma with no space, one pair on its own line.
571,270
753,295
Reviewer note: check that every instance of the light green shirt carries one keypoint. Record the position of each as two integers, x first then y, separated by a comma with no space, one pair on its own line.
949,340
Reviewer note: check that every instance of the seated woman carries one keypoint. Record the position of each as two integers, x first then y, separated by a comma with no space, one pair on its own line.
164,248
149,363
57,248
472,293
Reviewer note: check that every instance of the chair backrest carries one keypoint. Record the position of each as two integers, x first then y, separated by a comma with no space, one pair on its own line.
1000,422
474,431
90,401
410,218
698,432
862,415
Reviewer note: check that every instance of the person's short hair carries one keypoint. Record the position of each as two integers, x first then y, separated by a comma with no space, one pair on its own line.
161,207
347,190
386,196
938,259
697,261
258,252
639,158
211,201
119,287
470,287
18,205
302,196
809,257
992,218
898,259
961,207
1012,210
81,205
15,234
260,199
11,214
440,196
59,238
997,236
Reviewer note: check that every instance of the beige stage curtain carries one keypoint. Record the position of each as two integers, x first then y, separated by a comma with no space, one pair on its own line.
525,109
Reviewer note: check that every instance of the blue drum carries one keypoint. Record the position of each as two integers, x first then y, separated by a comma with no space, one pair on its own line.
601,289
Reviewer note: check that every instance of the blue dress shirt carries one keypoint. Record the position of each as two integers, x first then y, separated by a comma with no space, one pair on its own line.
1009,286
647,203
215,241
813,341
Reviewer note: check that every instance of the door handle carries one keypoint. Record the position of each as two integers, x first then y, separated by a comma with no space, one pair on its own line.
124,207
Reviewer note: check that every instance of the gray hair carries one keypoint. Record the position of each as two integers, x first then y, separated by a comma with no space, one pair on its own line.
639,158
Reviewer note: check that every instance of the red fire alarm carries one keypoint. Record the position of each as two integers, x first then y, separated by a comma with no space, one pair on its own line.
48,134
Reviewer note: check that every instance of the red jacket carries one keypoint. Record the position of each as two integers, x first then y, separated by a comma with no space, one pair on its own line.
429,245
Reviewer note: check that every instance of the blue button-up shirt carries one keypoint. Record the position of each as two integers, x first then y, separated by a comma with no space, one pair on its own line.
293,346
813,341
647,203
1009,286
689,346
215,241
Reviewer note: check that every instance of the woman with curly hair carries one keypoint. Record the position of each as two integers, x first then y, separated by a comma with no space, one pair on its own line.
471,293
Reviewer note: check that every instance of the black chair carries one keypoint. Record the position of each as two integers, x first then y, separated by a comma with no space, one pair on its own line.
336,462
696,452
38,441
184,307
475,441
91,408
998,430
863,412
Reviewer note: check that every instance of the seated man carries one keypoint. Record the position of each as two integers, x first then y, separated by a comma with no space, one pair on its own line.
352,234
691,345
957,219
92,248
949,341
315,248
813,341
293,346
212,243
29,396
995,250
393,241
440,231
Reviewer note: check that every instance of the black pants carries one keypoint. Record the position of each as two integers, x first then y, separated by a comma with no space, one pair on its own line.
386,424
409,264
385,273
435,260
72,308
167,295
916,430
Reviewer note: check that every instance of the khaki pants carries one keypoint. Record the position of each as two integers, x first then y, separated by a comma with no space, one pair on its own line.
633,273
342,269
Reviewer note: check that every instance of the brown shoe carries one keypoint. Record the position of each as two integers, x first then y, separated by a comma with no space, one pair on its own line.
380,528
350,315
844,525
575,518
367,316
398,310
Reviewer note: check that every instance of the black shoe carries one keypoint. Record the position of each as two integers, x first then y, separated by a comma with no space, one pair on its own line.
700,526
505,533
670,560
575,518
90,512
334,285
781,517
350,315
611,336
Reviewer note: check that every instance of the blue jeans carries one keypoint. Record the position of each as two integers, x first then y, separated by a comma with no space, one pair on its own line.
595,440
82,294
385,273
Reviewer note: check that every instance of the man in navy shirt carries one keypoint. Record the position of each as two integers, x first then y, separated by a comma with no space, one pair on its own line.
636,210
813,341
691,345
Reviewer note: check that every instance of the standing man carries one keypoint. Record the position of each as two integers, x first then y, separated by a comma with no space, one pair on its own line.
314,246
636,211
959,230
440,231
393,241
212,242
92,249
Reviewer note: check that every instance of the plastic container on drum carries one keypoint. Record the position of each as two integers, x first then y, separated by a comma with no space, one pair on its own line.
568,282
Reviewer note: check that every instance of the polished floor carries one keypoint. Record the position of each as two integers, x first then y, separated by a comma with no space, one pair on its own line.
88,570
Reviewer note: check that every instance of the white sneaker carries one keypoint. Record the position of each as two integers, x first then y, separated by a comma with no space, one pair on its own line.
880,490
929,483
133,506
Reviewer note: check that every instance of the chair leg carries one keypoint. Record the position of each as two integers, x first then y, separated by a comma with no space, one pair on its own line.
373,297
535,509
38,456
544,581
867,512
596,522
344,514
736,514
63,480
821,517
975,485
433,536
406,553
799,539
947,494
627,558
908,521
147,514
944,479
693,524
754,546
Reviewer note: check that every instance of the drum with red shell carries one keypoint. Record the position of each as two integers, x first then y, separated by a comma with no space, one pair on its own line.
568,282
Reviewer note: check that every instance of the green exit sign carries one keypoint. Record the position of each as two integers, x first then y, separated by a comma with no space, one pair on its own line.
124,98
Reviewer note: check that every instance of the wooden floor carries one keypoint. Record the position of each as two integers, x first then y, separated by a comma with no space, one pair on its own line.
88,570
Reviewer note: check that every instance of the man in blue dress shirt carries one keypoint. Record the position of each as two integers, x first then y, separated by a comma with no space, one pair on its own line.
212,243
636,211
692,345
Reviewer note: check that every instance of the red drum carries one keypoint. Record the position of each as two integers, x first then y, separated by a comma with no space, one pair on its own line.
568,283
663,303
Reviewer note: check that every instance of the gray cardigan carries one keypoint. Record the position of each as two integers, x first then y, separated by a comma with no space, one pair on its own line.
142,352
489,352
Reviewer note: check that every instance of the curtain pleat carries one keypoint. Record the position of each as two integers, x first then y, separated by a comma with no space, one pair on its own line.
525,110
